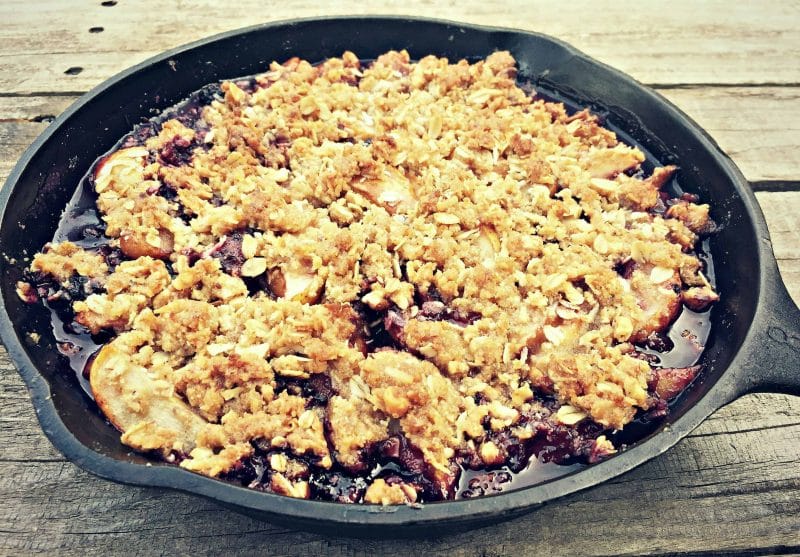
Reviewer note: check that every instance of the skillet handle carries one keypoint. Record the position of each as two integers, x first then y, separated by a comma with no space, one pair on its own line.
771,353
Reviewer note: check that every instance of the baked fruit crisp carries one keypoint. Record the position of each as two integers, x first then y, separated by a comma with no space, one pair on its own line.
374,282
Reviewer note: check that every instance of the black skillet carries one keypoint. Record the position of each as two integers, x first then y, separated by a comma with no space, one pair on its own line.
755,339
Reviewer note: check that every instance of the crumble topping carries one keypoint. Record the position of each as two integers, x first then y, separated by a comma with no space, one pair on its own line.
335,257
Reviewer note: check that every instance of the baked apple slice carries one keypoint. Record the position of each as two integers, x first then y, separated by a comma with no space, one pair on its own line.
607,163
392,191
657,291
296,283
143,407
157,244
669,382
120,170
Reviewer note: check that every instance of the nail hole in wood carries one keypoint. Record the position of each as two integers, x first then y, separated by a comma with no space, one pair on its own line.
95,29
74,70
109,3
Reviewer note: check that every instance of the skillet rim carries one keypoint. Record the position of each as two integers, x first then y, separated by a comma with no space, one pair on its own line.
317,514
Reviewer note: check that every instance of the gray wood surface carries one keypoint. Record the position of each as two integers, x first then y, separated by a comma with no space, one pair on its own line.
731,487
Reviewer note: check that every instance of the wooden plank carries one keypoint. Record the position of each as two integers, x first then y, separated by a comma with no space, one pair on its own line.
33,109
782,211
734,476
709,42
733,116
757,127
15,136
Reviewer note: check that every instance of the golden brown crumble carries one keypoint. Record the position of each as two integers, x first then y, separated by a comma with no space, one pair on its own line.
489,224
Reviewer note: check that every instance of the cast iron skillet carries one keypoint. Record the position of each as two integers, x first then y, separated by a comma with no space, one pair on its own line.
755,340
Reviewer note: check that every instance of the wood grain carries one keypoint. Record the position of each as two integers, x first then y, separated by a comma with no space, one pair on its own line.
731,487
757,127
715,41
736,473
782,211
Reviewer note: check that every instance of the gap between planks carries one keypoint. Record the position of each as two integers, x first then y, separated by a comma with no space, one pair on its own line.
775,185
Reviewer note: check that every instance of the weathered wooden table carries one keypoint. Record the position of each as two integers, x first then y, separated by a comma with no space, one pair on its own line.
733,486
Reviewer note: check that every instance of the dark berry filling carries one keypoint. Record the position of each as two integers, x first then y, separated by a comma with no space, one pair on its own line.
229,253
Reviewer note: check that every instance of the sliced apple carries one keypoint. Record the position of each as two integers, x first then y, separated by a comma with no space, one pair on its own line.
607,163
157,244
671,381
698,298
123,166
657,291
643,195
695,217
299,285
661,176
488,242
143,407
392,191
